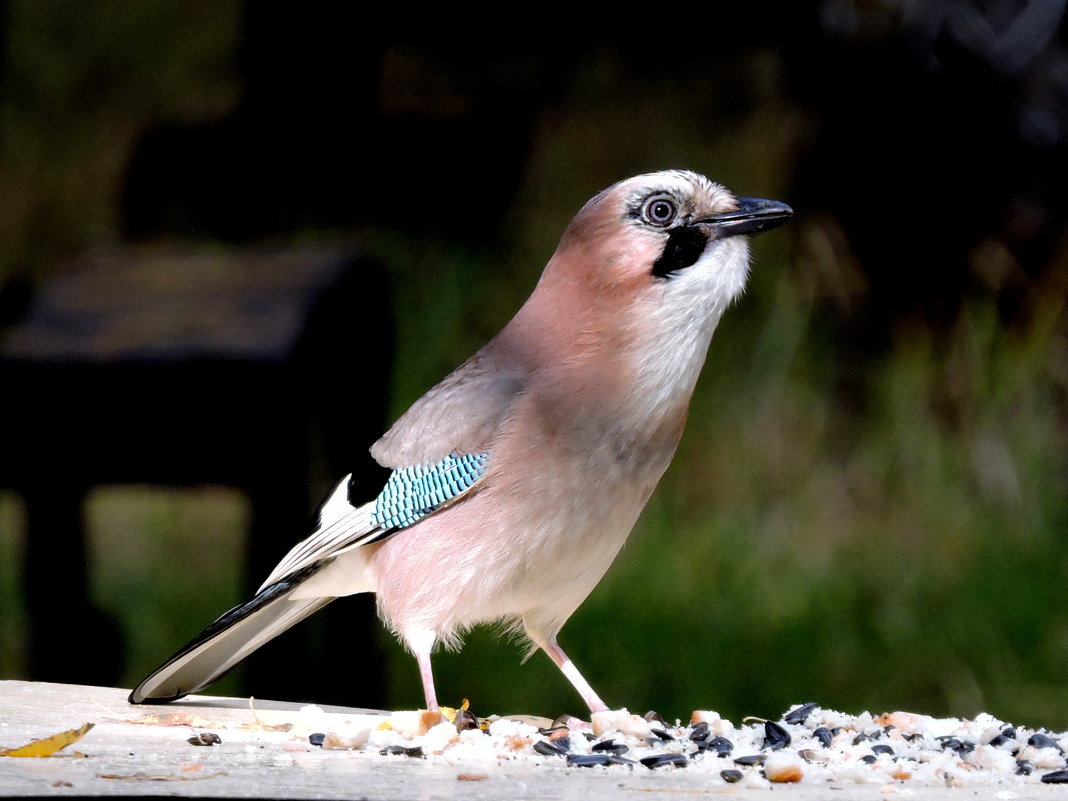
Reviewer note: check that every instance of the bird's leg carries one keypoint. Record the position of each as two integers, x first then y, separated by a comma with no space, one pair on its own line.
422,643
427,675
567,667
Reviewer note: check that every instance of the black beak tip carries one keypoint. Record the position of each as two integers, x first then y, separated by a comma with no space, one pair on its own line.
754,216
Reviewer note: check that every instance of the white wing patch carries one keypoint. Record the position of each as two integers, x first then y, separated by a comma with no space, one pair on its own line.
341,526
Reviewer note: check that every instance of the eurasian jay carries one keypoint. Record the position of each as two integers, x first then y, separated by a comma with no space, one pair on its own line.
518,478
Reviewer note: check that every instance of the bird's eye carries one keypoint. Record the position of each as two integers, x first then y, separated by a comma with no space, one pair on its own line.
660,211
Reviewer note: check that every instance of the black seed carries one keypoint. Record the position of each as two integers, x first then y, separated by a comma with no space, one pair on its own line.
593,760
720,745
699,731
913,737
869,759
1001,739
1056,777
730,776
465,719
751,759
860,738
205,738
548,748
659,760
882,749
775,736
661,734
610,746
317,738
400,750
823,734
563,743
1009,731
655,717
799,714
588,760
1024,768
549,730
1040,740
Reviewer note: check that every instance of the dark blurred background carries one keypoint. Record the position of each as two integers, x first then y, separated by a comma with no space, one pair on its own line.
238,238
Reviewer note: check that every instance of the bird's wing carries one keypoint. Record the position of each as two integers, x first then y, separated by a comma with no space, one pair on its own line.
411,493
439,450
296,588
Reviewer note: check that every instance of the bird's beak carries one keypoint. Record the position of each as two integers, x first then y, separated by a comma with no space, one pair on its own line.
753,216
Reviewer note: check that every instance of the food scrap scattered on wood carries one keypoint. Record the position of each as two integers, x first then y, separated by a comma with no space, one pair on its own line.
141,776
807,744
189,719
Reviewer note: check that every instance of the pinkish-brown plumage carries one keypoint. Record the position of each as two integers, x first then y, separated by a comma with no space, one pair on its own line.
579,402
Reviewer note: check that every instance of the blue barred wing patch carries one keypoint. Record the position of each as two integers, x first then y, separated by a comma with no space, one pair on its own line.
411,493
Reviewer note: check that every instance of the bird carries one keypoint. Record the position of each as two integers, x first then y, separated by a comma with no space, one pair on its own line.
517,479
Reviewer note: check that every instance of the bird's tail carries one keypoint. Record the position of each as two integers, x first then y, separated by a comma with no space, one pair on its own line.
307,579
223,644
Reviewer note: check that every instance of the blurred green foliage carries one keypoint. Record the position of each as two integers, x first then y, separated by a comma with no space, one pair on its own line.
876,533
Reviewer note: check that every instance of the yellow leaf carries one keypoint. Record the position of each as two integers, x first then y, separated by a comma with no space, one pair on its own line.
49,745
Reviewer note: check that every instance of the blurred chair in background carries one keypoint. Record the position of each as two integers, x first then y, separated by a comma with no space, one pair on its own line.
243,367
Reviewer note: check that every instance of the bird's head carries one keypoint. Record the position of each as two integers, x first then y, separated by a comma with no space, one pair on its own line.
668,245
669,227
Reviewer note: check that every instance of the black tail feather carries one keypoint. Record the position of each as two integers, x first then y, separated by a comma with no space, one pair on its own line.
225,643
